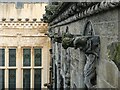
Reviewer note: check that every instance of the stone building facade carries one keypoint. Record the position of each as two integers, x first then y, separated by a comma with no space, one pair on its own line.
24,55
85,44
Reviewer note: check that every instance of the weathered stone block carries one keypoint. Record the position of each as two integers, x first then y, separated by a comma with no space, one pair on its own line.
103,84
119,80
108,72
111,15
106,28
111,74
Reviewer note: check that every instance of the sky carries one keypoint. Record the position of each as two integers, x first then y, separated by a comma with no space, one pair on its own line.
57,0
23,0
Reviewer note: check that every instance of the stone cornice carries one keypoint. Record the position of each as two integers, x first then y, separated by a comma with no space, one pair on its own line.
52,11
65,10
23,25
60,9
75,7
79,10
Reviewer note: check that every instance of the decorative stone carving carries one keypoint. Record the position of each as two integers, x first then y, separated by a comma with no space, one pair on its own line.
42,27
11,19
50,10
77,10
67,69
19,19
91,50
90,45
34,19
27,19
70,40
67,40
3,19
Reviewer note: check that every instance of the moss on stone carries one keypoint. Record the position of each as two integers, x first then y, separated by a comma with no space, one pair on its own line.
67,42
114,53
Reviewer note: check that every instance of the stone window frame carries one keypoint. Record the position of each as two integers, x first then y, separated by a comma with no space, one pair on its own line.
6,67
32,67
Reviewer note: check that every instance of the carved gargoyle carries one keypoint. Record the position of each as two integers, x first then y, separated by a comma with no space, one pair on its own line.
70,40
67,40
76,41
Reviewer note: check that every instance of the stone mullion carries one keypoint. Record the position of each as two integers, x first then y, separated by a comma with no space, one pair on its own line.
6,67
18,65
22,65
32,66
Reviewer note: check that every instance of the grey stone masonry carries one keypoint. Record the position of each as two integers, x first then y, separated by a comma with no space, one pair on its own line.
85,45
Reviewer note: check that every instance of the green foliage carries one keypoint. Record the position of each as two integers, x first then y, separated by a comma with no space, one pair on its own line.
114,53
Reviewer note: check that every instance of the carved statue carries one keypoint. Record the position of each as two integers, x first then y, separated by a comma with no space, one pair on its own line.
92,55
89,44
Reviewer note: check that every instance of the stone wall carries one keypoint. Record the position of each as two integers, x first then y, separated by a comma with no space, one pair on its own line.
70,62
19,29
28,10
